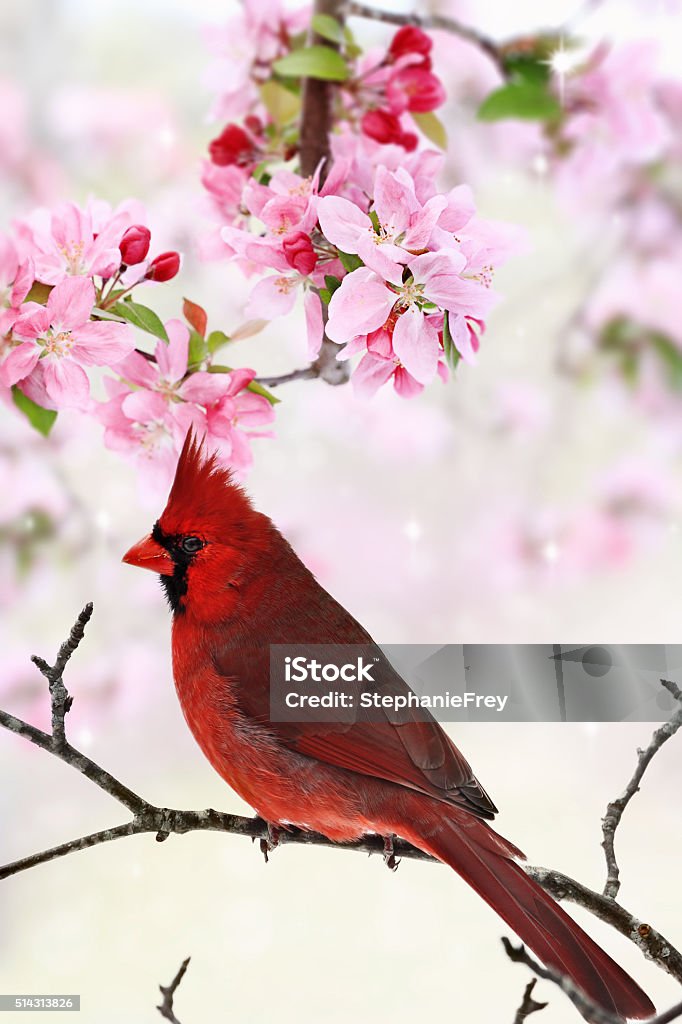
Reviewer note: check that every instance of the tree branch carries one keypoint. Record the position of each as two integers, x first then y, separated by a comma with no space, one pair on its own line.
164,821
614,811
590,1010
317,120
528,1004
165,1008
431,21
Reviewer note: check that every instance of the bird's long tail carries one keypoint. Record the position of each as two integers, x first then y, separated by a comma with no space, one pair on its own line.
484,860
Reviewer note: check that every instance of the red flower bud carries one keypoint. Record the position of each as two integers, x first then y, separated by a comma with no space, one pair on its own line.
134,245
233,146
383,126
410,39
299,252
163,267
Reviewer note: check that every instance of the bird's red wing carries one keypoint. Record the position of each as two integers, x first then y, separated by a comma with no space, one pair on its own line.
400,748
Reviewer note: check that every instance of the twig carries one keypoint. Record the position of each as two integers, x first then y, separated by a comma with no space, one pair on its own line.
431,21
528,1004
614,811
165,1008
61,702
590,1010
305,373
164,821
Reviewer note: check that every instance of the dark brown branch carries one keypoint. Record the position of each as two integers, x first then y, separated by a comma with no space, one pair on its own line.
317,121
165,1008
528,1004
590,1010
614,811
163,822
431,21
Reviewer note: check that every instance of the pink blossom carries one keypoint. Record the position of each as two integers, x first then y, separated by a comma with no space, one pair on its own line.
167,377
74,242
63,338
230,420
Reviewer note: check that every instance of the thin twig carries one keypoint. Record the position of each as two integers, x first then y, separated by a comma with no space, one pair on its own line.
431,21
528,1004
590,1010
305,373
163,822
165,1008
614,811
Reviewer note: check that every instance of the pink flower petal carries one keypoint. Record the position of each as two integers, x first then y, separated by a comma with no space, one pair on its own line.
313,322
360,305
342,222
31,324
394,201
66,382
371,372
19,363
172,358
204,388
272,297
459,210
70,302
143,406
239,379
415,342
102,343
383,258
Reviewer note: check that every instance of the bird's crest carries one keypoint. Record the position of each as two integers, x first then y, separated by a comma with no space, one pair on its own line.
204,495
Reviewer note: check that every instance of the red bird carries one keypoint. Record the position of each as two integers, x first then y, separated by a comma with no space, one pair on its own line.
236,586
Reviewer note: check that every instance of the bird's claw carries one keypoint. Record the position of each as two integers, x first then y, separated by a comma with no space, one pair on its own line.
271,841
390,859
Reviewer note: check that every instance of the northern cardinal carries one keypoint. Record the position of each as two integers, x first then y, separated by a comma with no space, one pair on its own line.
235,586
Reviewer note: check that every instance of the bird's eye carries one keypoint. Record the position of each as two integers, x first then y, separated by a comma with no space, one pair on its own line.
190,545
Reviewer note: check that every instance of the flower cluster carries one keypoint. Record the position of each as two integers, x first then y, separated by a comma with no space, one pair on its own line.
399,272
66,283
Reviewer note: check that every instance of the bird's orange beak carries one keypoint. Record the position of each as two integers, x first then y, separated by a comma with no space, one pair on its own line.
147,554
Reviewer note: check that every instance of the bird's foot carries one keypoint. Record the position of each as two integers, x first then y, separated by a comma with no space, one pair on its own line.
271,841
390,859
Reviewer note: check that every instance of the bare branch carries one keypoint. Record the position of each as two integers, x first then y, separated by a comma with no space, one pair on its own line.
163,822
165,1008
528,1004
432,21
614,811
305,373
61,702
590,1010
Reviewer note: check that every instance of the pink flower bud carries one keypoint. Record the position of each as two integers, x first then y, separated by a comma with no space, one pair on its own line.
233,146
419,90
410,39
299,252
135,245
163,267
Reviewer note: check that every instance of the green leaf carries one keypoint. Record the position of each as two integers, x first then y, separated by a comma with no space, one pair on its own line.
332,283
433,128
671,356
256,388
525,101
313,62
528,67
350,261
216,340
142,317
198,349
328,27
452,356
325,295
42,419
281,103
